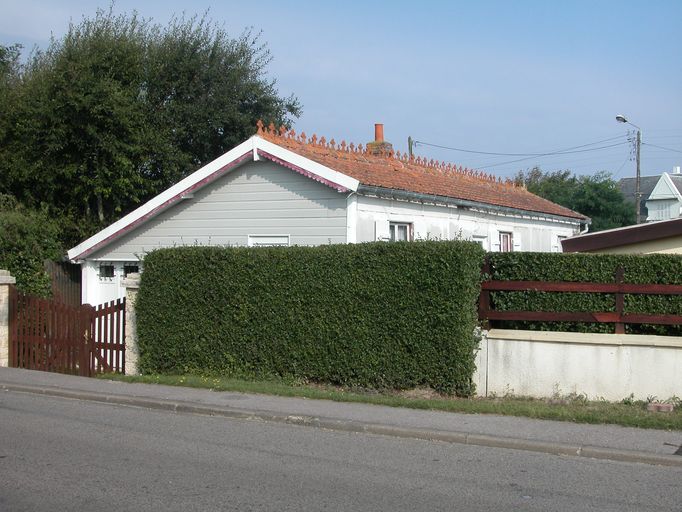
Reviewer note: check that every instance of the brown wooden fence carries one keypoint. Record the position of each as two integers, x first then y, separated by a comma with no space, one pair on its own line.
50,336
618,317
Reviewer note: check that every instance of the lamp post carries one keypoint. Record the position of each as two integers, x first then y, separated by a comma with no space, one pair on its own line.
638,143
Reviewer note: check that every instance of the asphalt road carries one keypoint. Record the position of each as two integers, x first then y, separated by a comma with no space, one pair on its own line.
60,455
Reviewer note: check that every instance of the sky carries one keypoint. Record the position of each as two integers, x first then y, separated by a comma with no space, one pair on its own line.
521,78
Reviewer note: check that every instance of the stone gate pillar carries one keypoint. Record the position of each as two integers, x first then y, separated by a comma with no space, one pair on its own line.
6,280
132,285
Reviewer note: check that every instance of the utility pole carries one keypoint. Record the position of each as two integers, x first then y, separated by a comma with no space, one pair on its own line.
410,145
638,145
638,194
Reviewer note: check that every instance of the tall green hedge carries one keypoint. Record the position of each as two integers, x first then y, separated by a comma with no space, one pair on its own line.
598,268
380,315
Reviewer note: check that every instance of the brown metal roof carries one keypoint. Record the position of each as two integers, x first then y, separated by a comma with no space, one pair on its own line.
623,236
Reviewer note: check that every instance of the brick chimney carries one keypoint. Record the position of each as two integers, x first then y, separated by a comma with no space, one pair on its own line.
379,146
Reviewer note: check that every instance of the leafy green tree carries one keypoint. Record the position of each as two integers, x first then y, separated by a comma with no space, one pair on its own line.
596,196
27,239
78,131
9,73
204,93
119,108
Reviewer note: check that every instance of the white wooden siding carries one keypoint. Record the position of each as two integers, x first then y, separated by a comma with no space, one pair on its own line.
258,198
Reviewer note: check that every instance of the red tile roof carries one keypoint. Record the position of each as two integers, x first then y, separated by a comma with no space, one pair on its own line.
396,171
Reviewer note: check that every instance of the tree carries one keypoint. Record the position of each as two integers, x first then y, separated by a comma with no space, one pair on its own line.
119,108
27,239
597,196
9,59
205,92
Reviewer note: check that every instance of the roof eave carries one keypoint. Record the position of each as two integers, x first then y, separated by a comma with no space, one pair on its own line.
627,235
405,195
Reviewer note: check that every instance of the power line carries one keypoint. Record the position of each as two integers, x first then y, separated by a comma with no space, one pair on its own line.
621,167
417,142
661,147
562,152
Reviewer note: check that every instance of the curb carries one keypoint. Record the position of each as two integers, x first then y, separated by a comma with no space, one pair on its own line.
553,448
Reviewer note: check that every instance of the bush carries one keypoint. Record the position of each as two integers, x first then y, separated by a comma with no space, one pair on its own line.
380,315
27,239
596,268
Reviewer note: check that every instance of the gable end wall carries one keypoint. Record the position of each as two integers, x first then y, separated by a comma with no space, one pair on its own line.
259,198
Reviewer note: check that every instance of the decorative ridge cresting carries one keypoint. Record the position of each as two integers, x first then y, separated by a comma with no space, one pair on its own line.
313,142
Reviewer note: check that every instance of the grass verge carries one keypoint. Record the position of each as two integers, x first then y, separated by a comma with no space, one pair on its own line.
575,408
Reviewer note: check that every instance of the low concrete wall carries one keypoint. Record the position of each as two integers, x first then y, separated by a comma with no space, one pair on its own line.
609,366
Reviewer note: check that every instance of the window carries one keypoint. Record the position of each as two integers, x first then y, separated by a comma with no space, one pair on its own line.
106,271
506,242
559,238
130,268
401,232
481,240
268,241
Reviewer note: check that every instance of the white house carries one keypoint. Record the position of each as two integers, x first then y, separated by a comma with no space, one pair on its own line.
279,188
665,200
659,195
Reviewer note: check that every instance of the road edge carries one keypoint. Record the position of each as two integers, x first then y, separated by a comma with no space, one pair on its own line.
553,448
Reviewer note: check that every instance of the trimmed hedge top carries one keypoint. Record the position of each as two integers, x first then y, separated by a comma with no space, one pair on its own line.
581,267
379,315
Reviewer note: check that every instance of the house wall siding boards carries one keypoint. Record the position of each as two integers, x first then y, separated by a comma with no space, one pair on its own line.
259,198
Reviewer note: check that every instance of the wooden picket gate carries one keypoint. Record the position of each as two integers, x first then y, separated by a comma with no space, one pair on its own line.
50,336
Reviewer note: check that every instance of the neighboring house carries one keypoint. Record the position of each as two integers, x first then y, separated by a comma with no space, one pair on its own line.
279,188
649,238
665,200
647,186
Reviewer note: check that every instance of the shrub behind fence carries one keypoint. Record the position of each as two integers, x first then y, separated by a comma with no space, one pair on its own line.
655,269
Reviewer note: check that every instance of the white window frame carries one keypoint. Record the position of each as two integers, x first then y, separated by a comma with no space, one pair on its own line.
129,265
506,234
393,229
106,279
482,240
269,240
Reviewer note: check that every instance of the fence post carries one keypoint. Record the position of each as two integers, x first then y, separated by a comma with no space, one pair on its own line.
6,280
620,302
132,285
484,297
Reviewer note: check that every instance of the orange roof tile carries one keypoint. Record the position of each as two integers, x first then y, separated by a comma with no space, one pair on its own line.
396,171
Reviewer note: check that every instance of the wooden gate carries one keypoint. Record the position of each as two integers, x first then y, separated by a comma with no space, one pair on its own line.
108,337
80,340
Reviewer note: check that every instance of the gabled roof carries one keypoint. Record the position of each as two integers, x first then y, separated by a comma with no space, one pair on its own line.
677,181
253,149
399,172
668,187
623,236
344,168
646,186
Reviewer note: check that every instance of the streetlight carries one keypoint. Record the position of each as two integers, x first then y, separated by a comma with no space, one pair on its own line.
638,199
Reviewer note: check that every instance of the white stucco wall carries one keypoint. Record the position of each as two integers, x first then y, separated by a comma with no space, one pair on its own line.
530,233
609,366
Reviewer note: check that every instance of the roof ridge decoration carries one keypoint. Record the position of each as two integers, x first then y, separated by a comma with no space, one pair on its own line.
343,150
